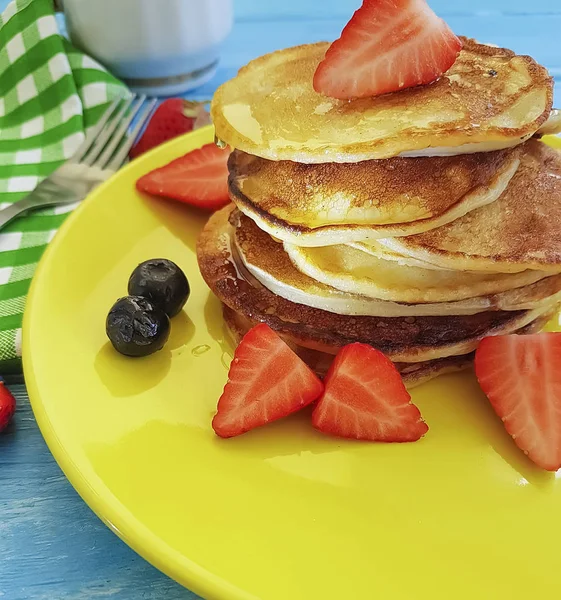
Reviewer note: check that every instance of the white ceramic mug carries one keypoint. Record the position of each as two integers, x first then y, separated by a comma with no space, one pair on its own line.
159,47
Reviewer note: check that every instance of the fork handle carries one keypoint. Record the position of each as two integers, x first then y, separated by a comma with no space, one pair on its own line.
15,210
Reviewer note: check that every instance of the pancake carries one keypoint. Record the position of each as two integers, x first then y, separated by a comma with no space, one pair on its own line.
553,125
521,230
375,248
413,374
330,203
356,272
261,257
403,339
489,99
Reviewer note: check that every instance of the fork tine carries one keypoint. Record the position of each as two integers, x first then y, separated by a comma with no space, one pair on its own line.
119,135
107,133
92,136
123,151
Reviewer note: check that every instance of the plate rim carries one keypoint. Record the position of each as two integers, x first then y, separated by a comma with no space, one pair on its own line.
85,481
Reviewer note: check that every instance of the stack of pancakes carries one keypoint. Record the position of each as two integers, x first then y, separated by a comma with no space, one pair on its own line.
418,222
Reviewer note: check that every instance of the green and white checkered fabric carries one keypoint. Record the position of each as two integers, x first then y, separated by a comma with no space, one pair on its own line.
50,94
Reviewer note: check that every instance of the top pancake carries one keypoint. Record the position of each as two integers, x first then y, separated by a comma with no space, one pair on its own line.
521,230
489,99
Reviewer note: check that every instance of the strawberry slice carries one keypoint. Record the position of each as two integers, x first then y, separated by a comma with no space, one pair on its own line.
520,375
365,399
199,178
7,406
388,45
172,118
267,381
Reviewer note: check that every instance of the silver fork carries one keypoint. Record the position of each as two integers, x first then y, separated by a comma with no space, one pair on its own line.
103,152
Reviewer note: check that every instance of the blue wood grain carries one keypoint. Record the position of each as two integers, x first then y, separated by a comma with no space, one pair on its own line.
52,547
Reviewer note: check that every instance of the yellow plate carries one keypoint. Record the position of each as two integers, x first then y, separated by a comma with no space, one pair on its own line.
283,512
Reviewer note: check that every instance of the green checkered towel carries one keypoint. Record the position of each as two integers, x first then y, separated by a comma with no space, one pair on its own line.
50,94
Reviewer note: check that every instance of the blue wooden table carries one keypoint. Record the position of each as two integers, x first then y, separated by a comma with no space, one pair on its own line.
52,547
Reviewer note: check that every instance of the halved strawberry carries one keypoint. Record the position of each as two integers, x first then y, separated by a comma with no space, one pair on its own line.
387,45
174,117
7,406
365,399
521,376
199,178
266,382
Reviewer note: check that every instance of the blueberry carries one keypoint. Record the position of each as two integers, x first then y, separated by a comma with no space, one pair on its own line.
163,283
136,327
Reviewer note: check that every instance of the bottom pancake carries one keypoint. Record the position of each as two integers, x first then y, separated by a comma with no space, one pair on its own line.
413,374
403,339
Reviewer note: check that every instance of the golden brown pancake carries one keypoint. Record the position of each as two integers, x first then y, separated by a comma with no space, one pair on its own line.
403,339
330,203
521,230
264,259
356,272
489,99
377,249
413,374
553,124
